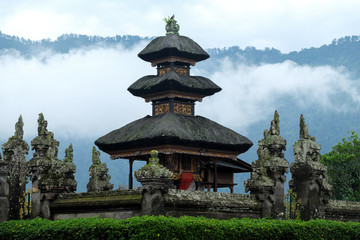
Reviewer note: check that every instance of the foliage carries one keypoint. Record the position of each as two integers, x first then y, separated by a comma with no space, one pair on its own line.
25,205
147,227
292,205
343,165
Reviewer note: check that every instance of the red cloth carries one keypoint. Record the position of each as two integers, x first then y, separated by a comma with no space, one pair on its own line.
185,181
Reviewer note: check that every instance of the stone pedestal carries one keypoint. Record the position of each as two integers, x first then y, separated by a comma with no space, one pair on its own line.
267,178
153,178
309,178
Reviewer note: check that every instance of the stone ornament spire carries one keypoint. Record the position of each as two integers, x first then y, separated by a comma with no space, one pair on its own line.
153,171
4,192
309,176
14,151
268,175
99,177
69,170
171,26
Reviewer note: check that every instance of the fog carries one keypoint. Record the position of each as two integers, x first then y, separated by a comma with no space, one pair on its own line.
84,94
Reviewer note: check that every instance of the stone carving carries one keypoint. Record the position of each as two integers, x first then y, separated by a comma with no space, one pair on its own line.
44,167
49,175
69,170
153,171
99,177
171,25
4,192
309,176
14,151
153,178
267,178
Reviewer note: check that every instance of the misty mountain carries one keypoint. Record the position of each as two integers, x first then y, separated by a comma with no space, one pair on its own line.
328,126
64,44
341,52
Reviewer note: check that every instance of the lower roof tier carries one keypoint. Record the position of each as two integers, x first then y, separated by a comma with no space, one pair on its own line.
174,129
171,81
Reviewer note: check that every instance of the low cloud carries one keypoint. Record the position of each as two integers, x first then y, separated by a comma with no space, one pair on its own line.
252,93
84,94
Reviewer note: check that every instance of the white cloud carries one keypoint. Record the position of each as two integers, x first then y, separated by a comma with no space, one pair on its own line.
83,93
252,93
286,25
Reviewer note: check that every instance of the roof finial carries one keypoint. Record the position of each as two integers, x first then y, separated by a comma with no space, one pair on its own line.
171,26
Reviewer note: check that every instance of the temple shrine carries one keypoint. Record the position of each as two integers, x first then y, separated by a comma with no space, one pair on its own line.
201,153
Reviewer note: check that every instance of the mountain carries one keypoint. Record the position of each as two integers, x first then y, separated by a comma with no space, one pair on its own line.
64,44
327,126
342,52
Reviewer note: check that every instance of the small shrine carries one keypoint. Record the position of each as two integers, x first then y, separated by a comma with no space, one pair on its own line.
200,153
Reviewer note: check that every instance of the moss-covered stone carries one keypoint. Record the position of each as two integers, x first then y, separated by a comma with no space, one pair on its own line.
99,177
153,171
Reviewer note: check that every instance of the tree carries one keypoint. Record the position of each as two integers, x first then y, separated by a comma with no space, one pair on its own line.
343,165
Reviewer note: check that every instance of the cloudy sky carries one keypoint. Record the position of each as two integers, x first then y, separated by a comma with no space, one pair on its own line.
283,24
84,93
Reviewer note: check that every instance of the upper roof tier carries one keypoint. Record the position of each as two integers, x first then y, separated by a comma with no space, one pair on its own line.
172,45
172,81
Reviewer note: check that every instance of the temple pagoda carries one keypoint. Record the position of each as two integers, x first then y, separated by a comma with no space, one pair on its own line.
201,153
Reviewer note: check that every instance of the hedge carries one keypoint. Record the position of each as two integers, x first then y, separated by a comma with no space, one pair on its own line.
148,227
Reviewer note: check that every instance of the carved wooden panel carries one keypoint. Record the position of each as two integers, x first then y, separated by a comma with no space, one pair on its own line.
161,108
181,108
181,71
162,71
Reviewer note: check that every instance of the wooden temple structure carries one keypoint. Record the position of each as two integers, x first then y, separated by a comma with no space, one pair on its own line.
201,153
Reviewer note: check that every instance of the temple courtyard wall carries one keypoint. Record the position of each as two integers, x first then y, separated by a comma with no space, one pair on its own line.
123,204
53,185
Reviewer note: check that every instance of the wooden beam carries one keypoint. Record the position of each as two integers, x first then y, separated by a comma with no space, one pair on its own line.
130,173
215,176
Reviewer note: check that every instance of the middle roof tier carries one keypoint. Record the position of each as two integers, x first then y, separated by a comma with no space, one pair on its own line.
171,81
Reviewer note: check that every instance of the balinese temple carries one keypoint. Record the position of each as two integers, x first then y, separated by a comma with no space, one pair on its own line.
201,153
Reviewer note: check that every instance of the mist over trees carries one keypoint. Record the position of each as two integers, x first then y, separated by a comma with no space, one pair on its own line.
342,52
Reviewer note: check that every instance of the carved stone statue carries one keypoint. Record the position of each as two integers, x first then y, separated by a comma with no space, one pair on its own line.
69,170
153,171
309,176
171,26
267,179
153,178
49,175
99,177
14,151
4,192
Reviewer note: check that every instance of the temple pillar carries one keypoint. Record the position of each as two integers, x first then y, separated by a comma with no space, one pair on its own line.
309,178
49,175
153,178
14,151
215,176
4,192
268,175
131,161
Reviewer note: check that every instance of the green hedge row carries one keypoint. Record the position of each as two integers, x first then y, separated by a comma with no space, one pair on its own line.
147,227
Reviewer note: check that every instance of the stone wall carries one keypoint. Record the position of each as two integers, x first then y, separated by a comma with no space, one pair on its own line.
128,203
342,211
211,204
111,204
